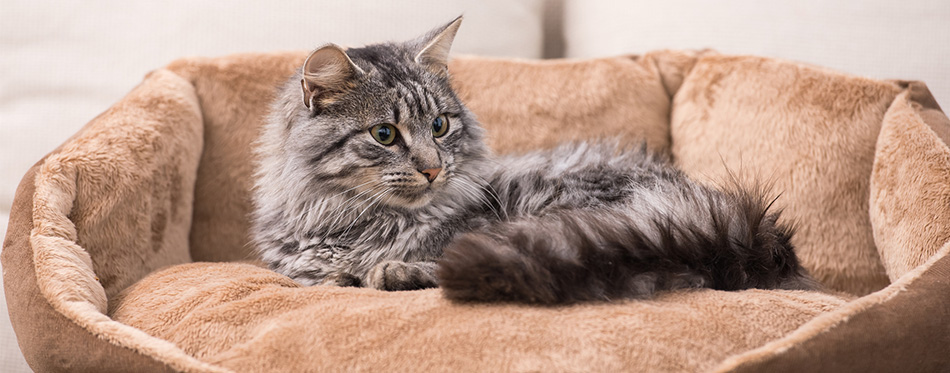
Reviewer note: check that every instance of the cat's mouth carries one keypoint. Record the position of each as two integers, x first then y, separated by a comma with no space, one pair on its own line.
415,197
411,199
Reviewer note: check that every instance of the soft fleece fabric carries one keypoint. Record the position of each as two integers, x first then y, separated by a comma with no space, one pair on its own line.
162,179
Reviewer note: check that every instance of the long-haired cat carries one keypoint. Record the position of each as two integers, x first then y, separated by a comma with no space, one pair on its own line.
373,173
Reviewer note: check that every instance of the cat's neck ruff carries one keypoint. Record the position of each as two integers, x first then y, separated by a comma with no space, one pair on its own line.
358,215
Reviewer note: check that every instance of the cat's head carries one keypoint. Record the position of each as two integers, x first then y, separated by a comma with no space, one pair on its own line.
383,120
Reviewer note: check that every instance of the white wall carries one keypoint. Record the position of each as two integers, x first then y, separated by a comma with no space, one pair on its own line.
882,39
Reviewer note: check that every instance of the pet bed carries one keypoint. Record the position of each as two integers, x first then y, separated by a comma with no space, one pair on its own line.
128,247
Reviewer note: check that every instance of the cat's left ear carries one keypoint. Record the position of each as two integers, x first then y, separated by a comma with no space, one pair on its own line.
435,46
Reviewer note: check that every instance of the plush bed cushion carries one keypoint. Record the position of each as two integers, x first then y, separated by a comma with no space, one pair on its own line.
910,192
112,205
524,105
807,131
903,327
251,319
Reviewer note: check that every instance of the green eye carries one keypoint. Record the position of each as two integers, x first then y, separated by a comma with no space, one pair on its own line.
440,126
384,133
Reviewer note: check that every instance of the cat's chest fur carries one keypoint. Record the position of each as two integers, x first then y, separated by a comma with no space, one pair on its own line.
348,233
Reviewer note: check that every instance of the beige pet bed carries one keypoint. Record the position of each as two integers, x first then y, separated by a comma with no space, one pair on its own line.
101,231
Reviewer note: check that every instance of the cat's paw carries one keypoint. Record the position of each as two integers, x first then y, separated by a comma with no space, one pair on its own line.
395,275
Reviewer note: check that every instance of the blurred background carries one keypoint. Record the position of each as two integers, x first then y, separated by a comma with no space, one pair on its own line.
64,62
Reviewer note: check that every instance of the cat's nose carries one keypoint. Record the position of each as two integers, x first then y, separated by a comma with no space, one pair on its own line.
431,173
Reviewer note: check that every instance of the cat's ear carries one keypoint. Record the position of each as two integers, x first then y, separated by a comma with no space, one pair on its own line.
434,47
326,70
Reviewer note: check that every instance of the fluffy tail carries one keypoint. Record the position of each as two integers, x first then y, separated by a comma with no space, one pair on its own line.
728,243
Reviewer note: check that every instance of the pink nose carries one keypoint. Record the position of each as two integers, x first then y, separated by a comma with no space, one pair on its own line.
431,173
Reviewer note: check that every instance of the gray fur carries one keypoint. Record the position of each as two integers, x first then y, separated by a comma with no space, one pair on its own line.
335,206
331,202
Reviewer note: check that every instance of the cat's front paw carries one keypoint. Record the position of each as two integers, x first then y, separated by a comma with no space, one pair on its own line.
395,275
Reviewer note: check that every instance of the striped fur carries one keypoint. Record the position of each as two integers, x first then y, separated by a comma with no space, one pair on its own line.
585,221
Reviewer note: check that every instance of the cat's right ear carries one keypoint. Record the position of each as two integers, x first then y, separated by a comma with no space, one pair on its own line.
327,70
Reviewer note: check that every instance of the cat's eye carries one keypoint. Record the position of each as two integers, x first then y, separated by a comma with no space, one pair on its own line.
384,133
440,126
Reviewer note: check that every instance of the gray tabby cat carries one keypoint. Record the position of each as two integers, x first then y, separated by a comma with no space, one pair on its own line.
372,171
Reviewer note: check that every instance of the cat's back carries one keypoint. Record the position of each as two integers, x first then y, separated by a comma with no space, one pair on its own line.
606,163
577,174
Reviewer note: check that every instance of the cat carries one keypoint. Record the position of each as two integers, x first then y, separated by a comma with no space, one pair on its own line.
373,173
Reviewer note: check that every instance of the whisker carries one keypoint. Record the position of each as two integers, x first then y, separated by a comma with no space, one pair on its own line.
364,237
346,208
308,207
370,190
376,198
338,194
488,189
473,191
